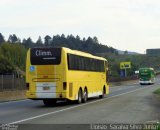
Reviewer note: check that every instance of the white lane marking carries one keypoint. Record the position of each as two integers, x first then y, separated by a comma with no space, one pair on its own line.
115,87
54,112
14,101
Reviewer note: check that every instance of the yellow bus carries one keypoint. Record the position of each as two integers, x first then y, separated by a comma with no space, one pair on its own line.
60,73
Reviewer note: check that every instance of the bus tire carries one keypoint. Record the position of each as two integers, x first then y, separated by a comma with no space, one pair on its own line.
49,102
103,93
85,95
79,96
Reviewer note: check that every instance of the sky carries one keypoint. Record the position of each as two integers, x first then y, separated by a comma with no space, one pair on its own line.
132,25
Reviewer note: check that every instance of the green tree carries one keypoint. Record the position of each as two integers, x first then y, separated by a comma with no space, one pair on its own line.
14,53
5,66
39,42
47,40
13,39
28,43
125,52
95,40
1,38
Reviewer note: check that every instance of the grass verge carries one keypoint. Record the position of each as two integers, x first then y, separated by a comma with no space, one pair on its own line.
12,95
157,91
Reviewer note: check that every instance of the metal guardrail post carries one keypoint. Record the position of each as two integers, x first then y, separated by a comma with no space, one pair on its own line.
13,82
2,82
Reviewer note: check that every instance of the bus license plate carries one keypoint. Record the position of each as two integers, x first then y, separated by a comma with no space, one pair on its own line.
46,88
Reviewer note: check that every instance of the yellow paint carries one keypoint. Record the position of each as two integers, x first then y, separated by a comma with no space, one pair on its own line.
93,81
125,65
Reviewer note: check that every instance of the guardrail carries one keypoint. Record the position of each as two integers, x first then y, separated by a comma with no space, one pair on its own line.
11,82
118,79
134,77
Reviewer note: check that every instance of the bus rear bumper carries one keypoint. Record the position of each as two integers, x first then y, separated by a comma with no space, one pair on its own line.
145,82
40,95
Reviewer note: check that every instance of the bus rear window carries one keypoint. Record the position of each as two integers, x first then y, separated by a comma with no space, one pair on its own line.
45,56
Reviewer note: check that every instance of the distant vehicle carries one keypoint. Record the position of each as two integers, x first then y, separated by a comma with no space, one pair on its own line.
146,76
60,73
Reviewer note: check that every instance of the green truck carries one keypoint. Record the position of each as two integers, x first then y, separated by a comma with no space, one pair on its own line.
146,76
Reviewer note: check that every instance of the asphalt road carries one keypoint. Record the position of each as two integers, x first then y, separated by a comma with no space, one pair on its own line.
125,104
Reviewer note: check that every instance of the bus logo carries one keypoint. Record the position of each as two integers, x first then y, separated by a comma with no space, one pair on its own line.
43,53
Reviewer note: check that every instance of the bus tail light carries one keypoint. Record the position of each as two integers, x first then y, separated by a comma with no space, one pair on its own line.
64,85
27,86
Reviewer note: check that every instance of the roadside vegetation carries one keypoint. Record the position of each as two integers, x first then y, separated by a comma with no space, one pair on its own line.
137,61
13,53
11,57
157,91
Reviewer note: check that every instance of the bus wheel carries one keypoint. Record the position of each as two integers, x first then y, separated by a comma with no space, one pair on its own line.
85,95
79,96
103,93
49,102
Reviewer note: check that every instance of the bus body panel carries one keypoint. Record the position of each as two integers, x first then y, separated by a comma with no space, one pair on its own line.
58,82
146,76
92,82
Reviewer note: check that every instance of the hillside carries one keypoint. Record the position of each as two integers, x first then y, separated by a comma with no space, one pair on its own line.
13,53
137,61
11,57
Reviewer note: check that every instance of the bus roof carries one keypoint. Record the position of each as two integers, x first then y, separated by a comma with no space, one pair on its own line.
76,52
81,53
146,68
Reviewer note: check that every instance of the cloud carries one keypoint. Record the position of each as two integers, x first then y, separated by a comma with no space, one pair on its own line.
123,24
